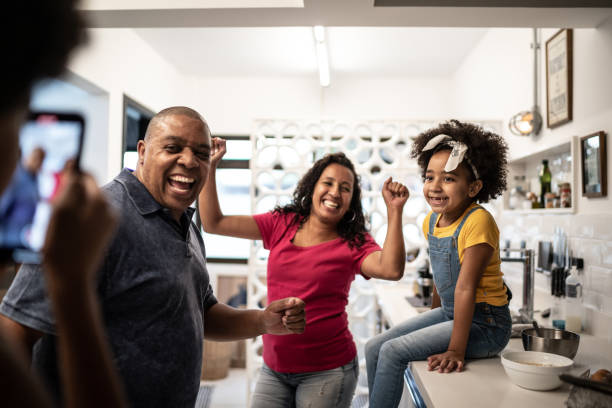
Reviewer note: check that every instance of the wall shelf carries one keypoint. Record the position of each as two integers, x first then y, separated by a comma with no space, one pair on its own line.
563,161
542,211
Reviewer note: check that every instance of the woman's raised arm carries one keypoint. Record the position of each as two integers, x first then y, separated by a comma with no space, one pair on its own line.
213,219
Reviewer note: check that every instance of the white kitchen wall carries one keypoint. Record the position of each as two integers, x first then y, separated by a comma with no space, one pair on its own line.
120,62
495,79
72,94
231,104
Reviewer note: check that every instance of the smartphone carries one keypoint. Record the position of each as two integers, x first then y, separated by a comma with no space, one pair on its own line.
48,143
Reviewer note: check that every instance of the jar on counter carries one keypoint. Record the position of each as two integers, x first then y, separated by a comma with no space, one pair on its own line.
549,200
565,194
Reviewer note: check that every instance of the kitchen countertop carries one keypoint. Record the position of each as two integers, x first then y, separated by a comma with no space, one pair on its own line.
484,382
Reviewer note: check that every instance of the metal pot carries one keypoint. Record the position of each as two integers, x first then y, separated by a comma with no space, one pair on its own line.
562,342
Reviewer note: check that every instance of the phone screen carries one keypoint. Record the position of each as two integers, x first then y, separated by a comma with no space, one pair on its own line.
48,143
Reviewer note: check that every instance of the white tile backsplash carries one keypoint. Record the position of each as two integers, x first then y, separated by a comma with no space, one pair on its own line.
590,238
592,299
603,227
590,249
607,254
580,230
599,279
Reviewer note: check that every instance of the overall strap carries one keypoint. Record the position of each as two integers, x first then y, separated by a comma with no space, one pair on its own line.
458,230
433,218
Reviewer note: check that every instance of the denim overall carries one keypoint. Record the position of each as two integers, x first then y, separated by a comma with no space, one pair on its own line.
445,264
389,353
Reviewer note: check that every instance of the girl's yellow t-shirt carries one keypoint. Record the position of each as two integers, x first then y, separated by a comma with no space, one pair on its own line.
480,227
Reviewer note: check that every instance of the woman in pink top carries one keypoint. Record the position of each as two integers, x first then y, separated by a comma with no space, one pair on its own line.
317,243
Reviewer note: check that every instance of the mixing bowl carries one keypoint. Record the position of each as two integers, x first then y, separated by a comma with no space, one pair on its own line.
562,342
535,370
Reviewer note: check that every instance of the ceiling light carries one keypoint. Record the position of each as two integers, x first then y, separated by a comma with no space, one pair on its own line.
322,56
529,123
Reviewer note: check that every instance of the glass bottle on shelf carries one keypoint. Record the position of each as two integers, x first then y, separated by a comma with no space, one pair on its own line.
545,183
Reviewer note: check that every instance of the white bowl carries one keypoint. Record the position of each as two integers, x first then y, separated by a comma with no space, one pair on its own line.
535,370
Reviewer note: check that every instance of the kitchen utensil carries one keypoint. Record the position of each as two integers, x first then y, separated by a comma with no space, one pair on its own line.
545,252
535,370
517,329
537,328
587,383
586,392
562,342
557,282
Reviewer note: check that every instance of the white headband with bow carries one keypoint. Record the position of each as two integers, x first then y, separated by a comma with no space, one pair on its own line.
457,154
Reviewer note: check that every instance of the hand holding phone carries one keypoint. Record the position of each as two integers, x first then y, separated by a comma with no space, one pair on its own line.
80,227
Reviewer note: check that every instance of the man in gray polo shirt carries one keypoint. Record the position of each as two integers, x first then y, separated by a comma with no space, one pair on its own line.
154,288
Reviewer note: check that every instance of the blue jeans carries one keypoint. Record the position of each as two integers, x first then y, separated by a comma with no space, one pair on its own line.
319,389
388,354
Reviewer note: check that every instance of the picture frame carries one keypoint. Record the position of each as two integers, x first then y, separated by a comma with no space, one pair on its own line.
593,159
559,74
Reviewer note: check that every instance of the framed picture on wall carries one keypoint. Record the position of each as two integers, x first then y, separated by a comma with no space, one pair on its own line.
559,78
594,165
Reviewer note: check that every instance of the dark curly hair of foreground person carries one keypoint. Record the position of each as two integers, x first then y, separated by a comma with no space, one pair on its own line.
351,227
486,150
37,38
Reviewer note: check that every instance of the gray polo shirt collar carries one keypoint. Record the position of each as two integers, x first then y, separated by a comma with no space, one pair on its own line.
140,196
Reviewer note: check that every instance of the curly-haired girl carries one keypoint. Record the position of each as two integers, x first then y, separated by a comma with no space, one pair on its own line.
462,165
317,243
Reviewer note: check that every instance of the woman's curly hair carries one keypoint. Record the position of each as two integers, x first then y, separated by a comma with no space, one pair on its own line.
486,151
351,227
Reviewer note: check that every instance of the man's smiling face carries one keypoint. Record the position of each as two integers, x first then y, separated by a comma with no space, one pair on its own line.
174,160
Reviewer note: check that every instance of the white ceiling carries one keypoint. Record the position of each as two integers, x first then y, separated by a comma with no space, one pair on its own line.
289,51
185,4
341,13
274,37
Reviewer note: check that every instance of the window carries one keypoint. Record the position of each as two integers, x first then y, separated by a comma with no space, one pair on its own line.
135,121
233,187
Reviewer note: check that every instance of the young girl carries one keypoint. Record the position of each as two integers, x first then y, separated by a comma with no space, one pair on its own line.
462,165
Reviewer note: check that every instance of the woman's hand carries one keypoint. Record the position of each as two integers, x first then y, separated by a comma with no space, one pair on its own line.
446,362
284,316
217,151
395,194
